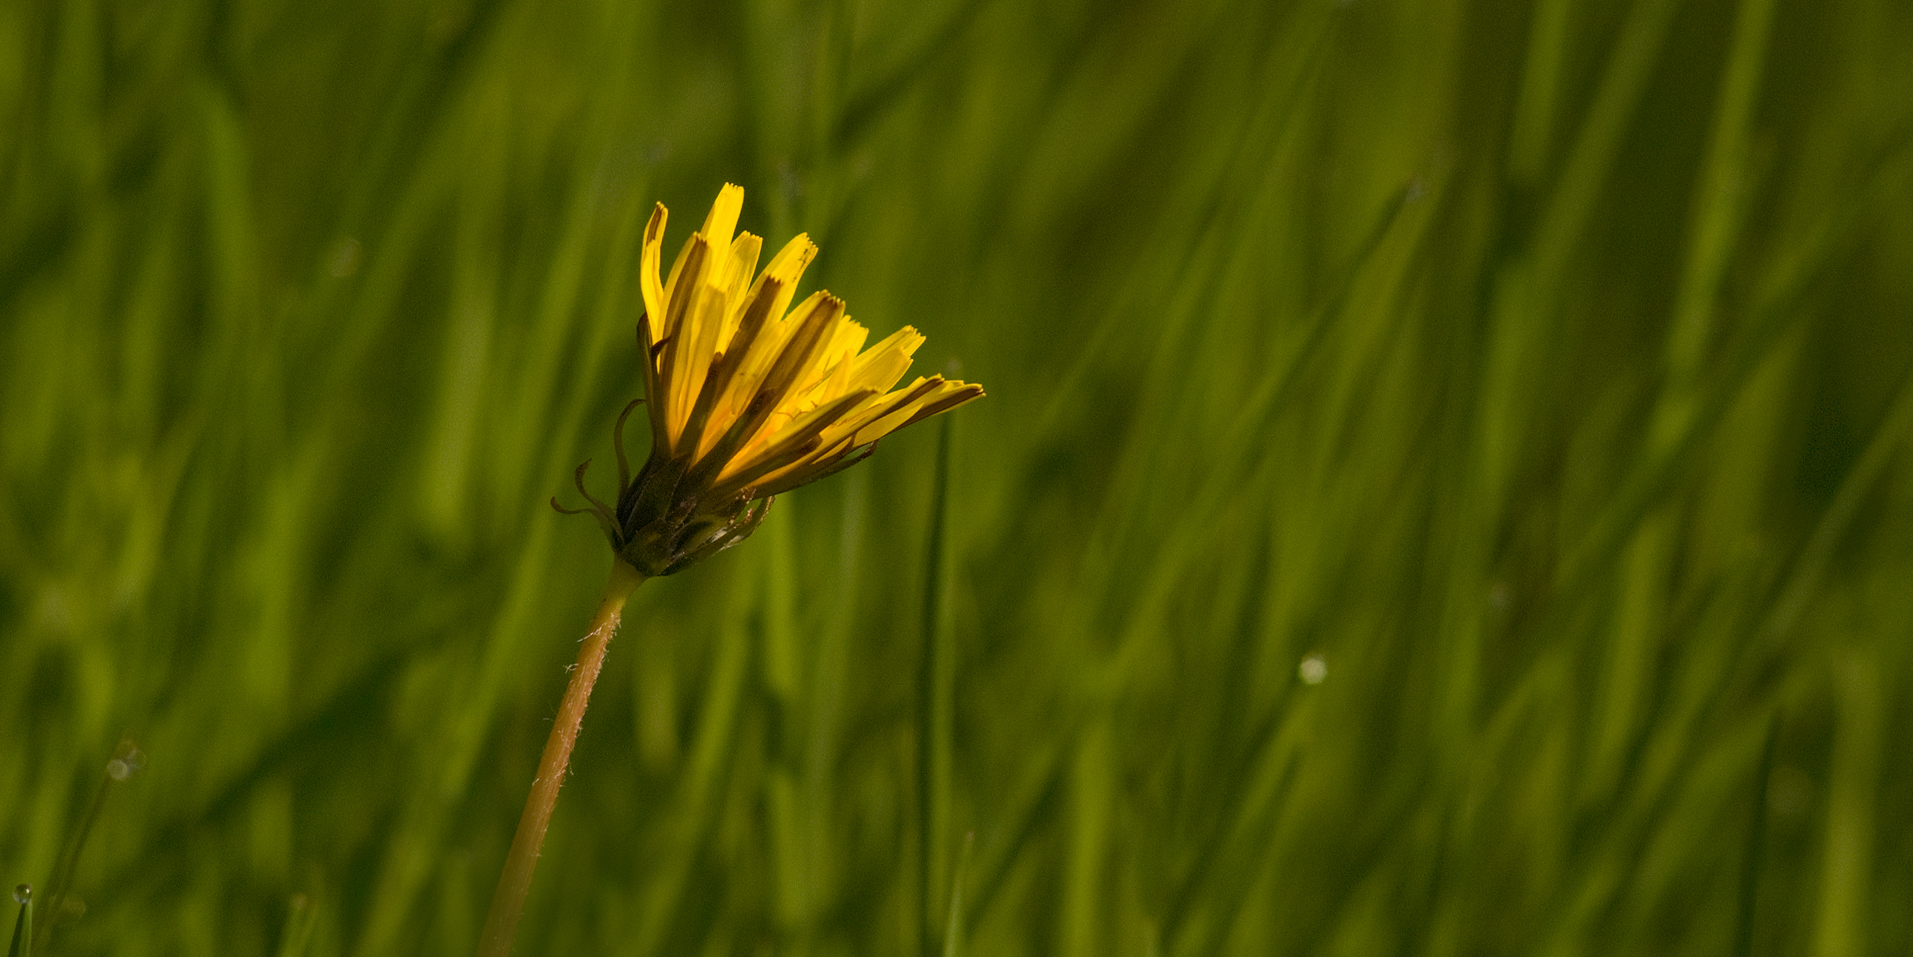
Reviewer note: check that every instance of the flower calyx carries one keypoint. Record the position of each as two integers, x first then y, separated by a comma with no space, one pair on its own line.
667,518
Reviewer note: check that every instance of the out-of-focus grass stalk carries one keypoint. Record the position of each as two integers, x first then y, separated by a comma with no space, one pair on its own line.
1086,877
953,926
1846,878
298,932
693,813
1756,853
936,704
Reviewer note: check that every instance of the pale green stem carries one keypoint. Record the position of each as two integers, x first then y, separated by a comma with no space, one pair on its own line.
515,881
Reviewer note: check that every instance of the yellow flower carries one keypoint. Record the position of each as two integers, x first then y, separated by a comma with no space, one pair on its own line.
748,397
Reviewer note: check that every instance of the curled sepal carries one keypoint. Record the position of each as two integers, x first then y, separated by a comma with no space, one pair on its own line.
617,443
607,521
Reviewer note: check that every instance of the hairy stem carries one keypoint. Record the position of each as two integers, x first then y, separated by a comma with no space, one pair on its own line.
501,923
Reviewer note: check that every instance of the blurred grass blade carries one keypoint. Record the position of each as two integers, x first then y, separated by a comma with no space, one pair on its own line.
1842,918
1755,855
936,702
1890,437
953,928
298,930
670,856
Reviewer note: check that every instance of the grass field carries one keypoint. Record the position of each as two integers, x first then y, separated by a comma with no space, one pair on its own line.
1444,487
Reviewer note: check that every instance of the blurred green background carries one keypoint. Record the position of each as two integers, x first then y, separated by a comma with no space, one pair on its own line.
1443,489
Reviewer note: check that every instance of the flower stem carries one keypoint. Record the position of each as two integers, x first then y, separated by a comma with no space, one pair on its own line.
501,923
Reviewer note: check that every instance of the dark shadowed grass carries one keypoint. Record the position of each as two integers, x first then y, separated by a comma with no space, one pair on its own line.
1542,372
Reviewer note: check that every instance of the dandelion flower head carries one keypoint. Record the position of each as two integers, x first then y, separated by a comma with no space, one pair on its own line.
748,397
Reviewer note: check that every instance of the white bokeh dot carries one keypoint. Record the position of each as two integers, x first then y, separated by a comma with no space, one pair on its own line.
1313,669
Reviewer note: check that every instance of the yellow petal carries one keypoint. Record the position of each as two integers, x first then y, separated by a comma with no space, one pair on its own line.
680,323
648,265
840,360
700,266
785,268
886,362
895,419
744,253
764,352
759,316
721,223
782,444
889,413
701,326
808,329
790,262
800,396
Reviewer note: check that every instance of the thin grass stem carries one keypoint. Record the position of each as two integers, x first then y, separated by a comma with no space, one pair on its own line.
23,925
126,760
